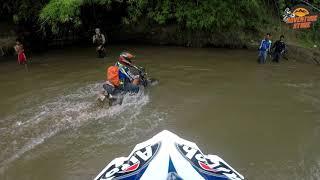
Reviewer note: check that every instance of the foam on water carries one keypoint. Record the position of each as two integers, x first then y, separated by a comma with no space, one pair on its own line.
33,126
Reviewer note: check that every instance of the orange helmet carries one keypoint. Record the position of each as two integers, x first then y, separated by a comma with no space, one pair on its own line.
125,58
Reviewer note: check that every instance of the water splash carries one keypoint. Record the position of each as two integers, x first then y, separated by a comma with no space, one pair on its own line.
34,126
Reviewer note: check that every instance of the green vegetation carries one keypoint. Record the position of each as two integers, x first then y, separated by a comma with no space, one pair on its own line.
199,15
59,12
208,15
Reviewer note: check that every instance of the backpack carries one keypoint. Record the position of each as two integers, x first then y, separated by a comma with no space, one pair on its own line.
113,75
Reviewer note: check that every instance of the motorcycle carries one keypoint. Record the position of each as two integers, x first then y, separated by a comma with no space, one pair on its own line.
114,96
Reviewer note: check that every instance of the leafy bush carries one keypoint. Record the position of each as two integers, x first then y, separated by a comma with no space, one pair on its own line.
59,12
195,15
208,15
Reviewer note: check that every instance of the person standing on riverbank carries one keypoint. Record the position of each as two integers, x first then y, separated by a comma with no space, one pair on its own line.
279,49
264,48
99,40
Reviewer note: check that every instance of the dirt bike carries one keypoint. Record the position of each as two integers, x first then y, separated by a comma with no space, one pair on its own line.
114,96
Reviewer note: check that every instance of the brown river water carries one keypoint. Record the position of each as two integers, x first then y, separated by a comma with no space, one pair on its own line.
264,120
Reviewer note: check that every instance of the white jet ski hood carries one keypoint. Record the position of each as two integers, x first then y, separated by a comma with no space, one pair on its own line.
167,156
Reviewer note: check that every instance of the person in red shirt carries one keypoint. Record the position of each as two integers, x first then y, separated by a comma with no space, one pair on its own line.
22,59
20,52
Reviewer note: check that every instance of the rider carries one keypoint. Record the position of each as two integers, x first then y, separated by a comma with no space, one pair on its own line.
129,81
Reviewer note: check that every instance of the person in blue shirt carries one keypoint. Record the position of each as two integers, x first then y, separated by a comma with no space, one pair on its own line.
264,49
129,81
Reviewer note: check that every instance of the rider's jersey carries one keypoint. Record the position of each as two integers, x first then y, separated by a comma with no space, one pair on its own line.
125,74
